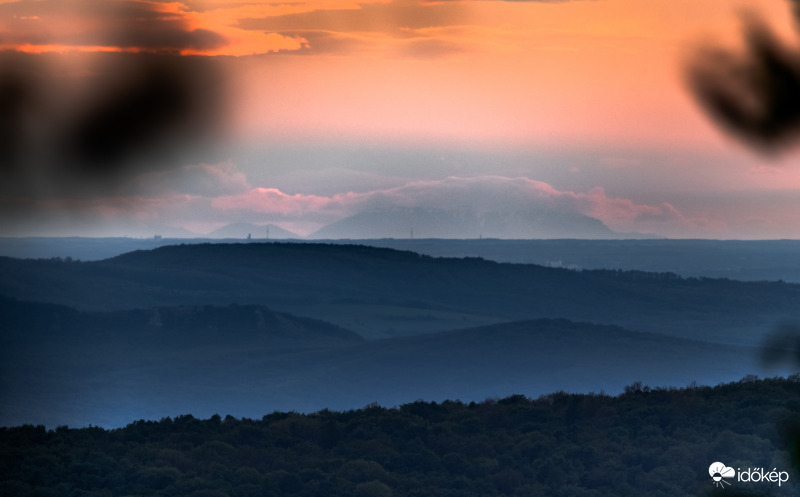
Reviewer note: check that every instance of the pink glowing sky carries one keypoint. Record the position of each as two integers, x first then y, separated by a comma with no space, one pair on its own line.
333,107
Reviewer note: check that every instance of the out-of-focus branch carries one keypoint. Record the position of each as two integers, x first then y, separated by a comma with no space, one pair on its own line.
782,345
755,95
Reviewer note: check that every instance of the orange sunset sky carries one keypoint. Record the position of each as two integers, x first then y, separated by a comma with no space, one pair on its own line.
302,113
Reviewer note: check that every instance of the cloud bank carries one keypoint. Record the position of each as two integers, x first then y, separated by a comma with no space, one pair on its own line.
110,24
203,197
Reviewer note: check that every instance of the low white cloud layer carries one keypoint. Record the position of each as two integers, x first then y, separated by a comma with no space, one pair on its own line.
479,194
203,197
207,180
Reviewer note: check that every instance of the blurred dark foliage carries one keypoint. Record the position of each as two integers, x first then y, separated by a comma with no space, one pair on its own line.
782,345
647,441
791,430
74,121
756,94
14,100
158,103
104,119
18,100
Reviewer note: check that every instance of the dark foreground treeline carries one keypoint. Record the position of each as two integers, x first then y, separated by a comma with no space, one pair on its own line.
655,442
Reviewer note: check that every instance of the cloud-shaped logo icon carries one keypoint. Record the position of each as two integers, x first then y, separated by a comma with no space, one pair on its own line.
719,471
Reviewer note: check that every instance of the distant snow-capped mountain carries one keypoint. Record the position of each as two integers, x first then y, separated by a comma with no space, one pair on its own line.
242,230
400,222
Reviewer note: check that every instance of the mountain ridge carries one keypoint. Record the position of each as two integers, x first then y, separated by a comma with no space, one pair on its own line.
255,231
403,222
388,292
104,368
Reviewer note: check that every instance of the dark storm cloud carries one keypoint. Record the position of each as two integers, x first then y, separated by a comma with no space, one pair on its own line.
756,94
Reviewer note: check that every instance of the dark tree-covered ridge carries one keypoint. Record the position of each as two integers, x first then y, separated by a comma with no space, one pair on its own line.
61,366
647,441
336,282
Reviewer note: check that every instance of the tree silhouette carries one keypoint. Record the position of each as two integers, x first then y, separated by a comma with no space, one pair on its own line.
755,95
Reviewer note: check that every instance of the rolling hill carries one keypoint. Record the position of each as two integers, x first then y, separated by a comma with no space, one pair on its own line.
380,293
745,260
62,366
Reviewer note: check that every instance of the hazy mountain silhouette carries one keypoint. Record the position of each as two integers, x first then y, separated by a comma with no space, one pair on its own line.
242,230
67,362
535,357
165,231
398,222
748,260
62,366
382,292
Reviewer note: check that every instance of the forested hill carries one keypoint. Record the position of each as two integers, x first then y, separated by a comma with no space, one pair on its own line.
654,442
747,260
62,366
383,292
52,323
